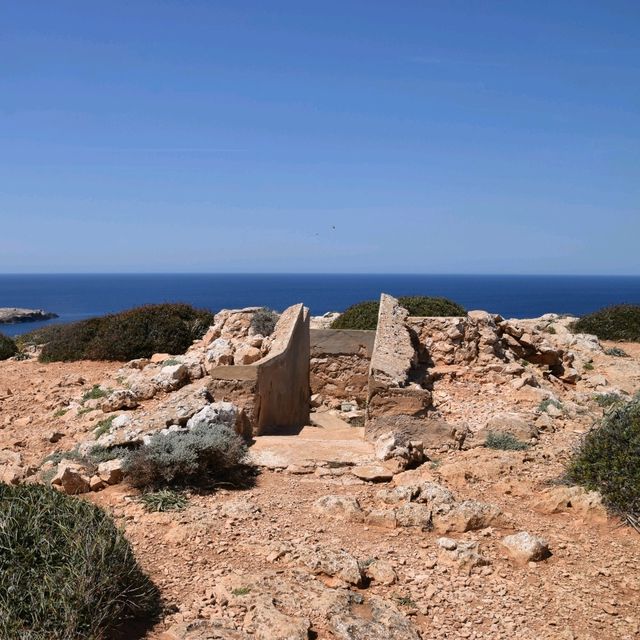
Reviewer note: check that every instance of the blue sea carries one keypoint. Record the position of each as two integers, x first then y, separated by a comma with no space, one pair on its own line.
74,297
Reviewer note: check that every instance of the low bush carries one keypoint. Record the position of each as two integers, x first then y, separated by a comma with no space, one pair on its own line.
264,321
206,453
616,352
607,399
136,333
504,441
66,571
619,322
364,315
608,459
8,347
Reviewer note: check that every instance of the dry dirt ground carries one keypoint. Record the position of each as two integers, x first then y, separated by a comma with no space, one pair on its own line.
588,588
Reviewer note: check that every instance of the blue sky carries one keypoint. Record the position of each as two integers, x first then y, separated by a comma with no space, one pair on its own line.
436,137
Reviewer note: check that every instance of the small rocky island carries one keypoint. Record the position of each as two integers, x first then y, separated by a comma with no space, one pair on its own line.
14,315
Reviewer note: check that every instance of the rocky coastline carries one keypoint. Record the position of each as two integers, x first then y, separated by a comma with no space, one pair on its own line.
15,315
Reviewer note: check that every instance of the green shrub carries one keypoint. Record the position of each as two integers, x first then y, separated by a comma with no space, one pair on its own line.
264,321
364,315
426,306
607,399
608,459
66,571
203,454
163,500
504,441
619,322
137,333
617,352
8,347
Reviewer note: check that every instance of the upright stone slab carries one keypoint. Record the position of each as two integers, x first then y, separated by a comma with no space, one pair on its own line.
391,391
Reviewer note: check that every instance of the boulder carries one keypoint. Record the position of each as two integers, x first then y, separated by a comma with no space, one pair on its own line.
111,472
71,478
246,354
219,353
172,377
524,547
333,563
382,572
512,423
463,555
119,399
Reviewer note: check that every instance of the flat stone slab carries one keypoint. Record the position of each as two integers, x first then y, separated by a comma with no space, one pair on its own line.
372,473
329,439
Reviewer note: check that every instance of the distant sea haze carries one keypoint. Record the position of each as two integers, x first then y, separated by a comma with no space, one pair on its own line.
75,297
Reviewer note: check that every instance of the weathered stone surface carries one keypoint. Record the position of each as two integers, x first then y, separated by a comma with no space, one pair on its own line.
111,471
119,399
383,621
573,500
337,506
71,478
413,514
432,433
393,354
172,377
382,572
372,473
523,547
463,555
511,423
467,516
334,563
219,353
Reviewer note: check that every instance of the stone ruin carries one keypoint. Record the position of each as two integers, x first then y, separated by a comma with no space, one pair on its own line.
391,381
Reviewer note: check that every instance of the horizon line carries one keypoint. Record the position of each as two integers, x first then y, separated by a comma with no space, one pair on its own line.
316,273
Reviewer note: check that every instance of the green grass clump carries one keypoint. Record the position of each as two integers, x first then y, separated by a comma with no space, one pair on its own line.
66,571
504,441
95,393
136,333
103,426
364,315
608,460
619,322
163,500
8,347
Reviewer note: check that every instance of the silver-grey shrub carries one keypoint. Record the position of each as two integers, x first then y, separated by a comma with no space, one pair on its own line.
201,455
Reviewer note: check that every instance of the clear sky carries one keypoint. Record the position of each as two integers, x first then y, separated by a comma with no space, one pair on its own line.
335,136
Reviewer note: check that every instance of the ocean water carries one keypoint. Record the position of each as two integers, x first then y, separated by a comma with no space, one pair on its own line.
74,297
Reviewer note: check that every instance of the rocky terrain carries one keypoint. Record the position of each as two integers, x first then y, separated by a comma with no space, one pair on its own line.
432,535
14,315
